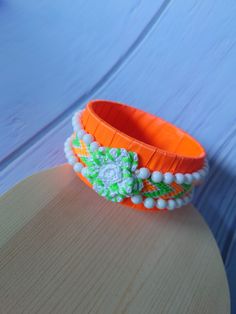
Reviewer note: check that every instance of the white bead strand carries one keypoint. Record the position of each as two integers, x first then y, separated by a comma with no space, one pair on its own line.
168,178
157,176
171,204
161,204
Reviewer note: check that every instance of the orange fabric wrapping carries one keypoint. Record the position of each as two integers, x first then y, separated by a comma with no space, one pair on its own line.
159,144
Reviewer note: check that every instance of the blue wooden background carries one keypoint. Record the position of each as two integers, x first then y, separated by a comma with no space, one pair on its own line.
174,58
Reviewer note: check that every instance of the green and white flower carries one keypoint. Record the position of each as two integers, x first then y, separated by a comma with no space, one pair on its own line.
111,171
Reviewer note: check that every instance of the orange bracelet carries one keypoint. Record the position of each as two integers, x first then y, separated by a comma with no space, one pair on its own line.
135,158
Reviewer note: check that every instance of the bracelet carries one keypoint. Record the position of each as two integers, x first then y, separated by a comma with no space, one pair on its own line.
132,157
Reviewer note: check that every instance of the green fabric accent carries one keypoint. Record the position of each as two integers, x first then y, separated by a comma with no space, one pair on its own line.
111,172
162,189
76,142
186,187
84,159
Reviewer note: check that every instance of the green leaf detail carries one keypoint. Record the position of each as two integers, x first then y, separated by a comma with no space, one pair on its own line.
111,172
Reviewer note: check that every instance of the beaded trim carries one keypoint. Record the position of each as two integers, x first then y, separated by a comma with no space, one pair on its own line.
113,173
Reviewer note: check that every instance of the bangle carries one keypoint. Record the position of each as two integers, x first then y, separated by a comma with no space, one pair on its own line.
135,158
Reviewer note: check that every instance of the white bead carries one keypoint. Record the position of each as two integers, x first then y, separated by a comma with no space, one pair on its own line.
80,111
143,173
66,144
93,146
101,149
161,204
76,128
196,176
73,121
88,139
78,167
157,176
136,199
80,134
84,171
80,125
67,149
68,141
168,178
69,154
188,178
179,202
186,200
78,114
72,160
179,178
171,204
149,202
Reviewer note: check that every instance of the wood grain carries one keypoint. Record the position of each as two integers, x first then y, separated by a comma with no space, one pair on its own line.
67,250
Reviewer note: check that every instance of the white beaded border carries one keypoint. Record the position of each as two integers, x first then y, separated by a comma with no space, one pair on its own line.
144,173
148,202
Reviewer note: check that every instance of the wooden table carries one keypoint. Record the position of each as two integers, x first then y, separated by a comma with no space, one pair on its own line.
67,250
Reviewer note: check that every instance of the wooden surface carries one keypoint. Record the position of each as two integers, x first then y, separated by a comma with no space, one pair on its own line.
173,58
64,249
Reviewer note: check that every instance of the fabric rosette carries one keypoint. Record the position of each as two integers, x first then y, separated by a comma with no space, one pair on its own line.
111,171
